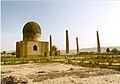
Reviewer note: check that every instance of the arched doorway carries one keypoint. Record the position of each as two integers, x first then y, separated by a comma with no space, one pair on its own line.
34,48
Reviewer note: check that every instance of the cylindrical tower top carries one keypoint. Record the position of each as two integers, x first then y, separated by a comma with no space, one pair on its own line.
31,32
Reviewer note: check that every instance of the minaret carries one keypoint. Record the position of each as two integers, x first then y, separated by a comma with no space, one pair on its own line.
98,43
67,42
77,44
50,43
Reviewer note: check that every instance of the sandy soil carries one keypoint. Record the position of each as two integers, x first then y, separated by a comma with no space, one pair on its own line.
56,73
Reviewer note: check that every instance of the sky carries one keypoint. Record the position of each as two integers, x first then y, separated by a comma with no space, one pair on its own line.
81,18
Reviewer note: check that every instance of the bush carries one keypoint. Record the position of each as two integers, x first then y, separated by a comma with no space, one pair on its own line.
103,66
69,61
110,62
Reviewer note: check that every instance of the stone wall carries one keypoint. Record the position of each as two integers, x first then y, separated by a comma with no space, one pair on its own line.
26,48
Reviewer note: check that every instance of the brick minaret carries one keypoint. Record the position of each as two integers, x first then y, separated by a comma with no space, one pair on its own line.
98,43
77,44
67,42
50,43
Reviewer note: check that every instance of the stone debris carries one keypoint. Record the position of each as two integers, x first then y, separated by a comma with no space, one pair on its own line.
23,81
9,80
3,72
70,69
13,80
41,71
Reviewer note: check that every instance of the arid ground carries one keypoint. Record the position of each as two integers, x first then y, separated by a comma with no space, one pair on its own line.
59,73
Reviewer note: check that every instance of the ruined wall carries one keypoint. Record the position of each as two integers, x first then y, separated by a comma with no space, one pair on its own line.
45,48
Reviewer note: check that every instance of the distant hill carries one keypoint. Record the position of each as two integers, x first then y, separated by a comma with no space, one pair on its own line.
103,49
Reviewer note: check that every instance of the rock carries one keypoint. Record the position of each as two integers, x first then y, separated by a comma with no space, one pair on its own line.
13,80
70,69
41,71
9,80
24,81
3,72
30,61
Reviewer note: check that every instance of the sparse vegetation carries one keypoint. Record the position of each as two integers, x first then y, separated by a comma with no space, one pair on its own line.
102,61
22,60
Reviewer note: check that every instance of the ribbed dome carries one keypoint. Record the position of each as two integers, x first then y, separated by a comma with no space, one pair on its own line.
31,28
31,32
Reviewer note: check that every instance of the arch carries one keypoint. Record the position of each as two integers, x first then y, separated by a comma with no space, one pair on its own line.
34,48
45,54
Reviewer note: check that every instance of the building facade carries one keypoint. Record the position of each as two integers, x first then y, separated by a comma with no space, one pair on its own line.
31,45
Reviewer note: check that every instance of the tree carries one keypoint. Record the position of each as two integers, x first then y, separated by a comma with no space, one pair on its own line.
114,50
3,52
108,50
13,53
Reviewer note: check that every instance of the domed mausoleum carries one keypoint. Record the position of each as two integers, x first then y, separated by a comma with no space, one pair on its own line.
31,44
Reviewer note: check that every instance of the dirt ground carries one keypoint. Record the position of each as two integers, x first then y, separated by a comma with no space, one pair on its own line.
57,73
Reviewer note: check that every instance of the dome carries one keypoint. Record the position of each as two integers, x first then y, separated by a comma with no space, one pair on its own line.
31,32
31,28
55,47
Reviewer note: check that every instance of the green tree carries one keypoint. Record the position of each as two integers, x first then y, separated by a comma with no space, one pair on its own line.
108,50
114,50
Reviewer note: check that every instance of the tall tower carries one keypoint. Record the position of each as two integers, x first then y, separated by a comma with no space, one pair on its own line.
50,43
77,44
98,43
67,42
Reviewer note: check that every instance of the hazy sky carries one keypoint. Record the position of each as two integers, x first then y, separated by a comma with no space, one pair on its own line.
81,18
